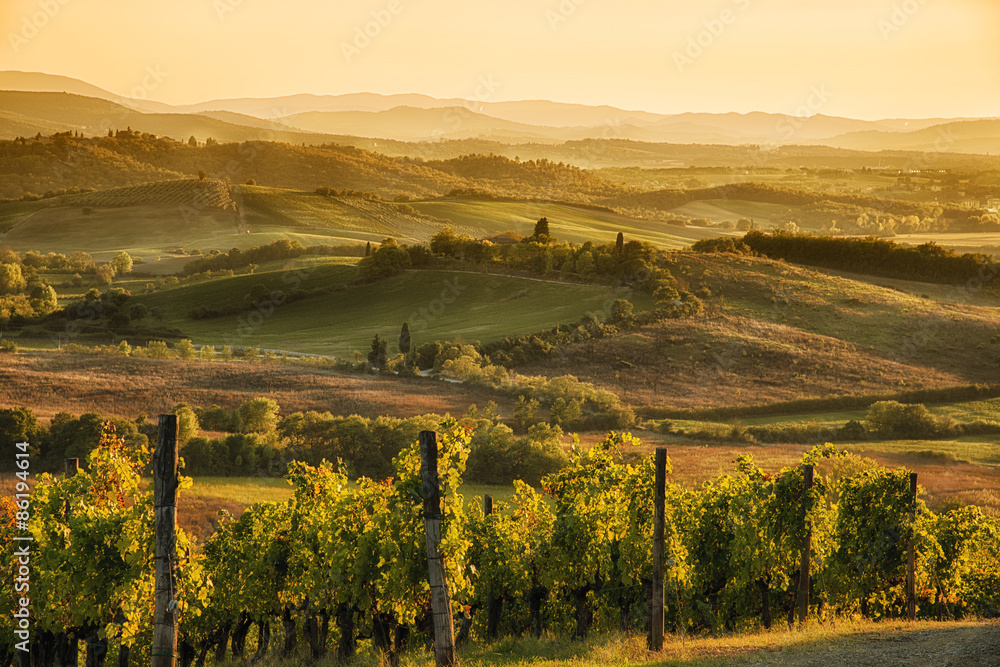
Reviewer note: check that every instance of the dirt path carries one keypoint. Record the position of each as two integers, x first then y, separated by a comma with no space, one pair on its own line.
965,644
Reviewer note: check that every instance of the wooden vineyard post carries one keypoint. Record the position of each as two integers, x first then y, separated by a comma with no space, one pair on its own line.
911,578
491,619
444,630
165,517
807,482
659,500
73,648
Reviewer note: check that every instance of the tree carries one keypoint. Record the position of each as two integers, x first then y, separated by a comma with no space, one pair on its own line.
11,279
258,415
388,260
585,265
621,312
17,425
105,274
202,175
404,338
619,243
541,230
379,354
368,249
192,142
121,263
187,422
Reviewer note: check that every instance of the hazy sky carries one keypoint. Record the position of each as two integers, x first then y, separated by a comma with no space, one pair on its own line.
859,58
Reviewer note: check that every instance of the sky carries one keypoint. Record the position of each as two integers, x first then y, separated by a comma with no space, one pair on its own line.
858,58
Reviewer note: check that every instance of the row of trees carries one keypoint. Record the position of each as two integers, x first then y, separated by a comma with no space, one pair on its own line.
927,262
256,255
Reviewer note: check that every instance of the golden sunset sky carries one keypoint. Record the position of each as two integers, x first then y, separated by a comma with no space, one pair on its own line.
871,58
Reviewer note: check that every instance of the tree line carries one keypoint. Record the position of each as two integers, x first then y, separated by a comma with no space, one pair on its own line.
927,262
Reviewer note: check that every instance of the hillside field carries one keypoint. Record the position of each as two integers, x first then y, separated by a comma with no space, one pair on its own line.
774,332
439,305
566,222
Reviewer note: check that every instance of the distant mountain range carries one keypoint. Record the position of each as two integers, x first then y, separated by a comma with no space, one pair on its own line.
47,103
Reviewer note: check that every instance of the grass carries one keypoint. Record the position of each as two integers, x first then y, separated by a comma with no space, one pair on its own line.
149,220
731,210
774,332
971,449
349,217
566,222
242,490
249,490
439,305
834,641
177,302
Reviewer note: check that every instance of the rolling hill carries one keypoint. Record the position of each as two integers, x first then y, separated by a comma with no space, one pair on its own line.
154,219
567,222
971,136
29,105
414,124
30,113
479,307
774,332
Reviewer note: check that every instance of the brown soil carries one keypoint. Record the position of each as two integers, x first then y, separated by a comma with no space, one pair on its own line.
50,383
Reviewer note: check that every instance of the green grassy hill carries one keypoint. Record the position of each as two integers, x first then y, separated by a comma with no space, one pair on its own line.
776,332
154,219
567,222
439,305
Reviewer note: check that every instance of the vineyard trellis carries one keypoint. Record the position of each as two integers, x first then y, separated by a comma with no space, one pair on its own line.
343,564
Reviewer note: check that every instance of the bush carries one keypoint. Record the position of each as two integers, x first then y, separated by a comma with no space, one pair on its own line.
496,457
9,346
852,431
891,419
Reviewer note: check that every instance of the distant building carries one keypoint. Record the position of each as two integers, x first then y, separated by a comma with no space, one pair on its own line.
993,204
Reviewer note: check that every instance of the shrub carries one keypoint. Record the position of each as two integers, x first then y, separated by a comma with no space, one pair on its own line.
891,419
852,431
496,457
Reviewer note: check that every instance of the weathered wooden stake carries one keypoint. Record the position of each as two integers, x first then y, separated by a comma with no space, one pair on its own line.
659,496
165,517
807,482
491,621
444,629
73,651
911,578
